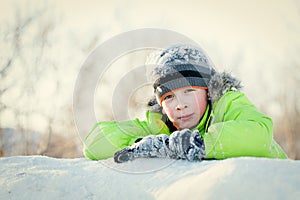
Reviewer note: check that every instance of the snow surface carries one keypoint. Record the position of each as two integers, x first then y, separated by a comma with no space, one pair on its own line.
40,177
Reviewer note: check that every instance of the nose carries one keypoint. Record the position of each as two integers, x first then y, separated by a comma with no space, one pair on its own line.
180,104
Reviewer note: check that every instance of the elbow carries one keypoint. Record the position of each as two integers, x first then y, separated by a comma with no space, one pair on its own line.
267,127
88,154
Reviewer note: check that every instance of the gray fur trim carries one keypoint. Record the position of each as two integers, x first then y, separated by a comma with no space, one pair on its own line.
219,84
153,105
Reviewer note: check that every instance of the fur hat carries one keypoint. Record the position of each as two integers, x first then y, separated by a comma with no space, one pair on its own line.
181,66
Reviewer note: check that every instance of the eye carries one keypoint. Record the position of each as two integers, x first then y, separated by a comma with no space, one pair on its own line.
189,90
170,96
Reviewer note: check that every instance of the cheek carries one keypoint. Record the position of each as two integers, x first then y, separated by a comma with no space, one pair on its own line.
201,101
167,110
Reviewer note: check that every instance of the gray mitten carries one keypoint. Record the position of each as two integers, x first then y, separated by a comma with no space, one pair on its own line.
150,146
187,145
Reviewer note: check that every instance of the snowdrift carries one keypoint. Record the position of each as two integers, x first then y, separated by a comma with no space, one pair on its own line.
39,177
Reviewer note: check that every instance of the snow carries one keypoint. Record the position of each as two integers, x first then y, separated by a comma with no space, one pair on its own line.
40,177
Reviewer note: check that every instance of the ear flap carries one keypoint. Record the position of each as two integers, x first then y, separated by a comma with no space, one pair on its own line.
154,106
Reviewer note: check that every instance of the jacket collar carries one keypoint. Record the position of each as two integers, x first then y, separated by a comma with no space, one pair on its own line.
203,120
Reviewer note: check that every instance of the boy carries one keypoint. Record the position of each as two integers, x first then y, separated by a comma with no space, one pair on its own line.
197,114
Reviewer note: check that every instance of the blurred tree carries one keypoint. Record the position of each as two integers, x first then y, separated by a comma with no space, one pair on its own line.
288,125
31,84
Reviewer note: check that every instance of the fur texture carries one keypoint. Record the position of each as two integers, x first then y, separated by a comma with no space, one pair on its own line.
220,83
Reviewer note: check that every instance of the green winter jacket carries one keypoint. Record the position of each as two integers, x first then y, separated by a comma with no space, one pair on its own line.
233,127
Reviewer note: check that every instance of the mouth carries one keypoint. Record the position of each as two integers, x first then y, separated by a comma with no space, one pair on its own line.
185,117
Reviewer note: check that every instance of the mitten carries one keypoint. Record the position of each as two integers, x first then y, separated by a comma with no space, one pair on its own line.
187,145
150,146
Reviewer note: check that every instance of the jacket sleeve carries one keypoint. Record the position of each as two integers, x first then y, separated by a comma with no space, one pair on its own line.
239,129
108,137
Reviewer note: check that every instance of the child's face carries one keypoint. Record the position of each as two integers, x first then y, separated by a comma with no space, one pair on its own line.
185,106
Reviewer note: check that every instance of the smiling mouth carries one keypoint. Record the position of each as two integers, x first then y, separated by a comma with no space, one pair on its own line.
185,117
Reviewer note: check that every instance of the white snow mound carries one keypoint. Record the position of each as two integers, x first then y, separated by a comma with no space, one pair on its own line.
40,177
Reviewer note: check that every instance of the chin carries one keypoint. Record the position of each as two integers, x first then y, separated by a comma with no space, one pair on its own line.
188,126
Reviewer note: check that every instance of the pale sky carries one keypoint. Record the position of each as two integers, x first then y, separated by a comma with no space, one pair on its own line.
270,25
